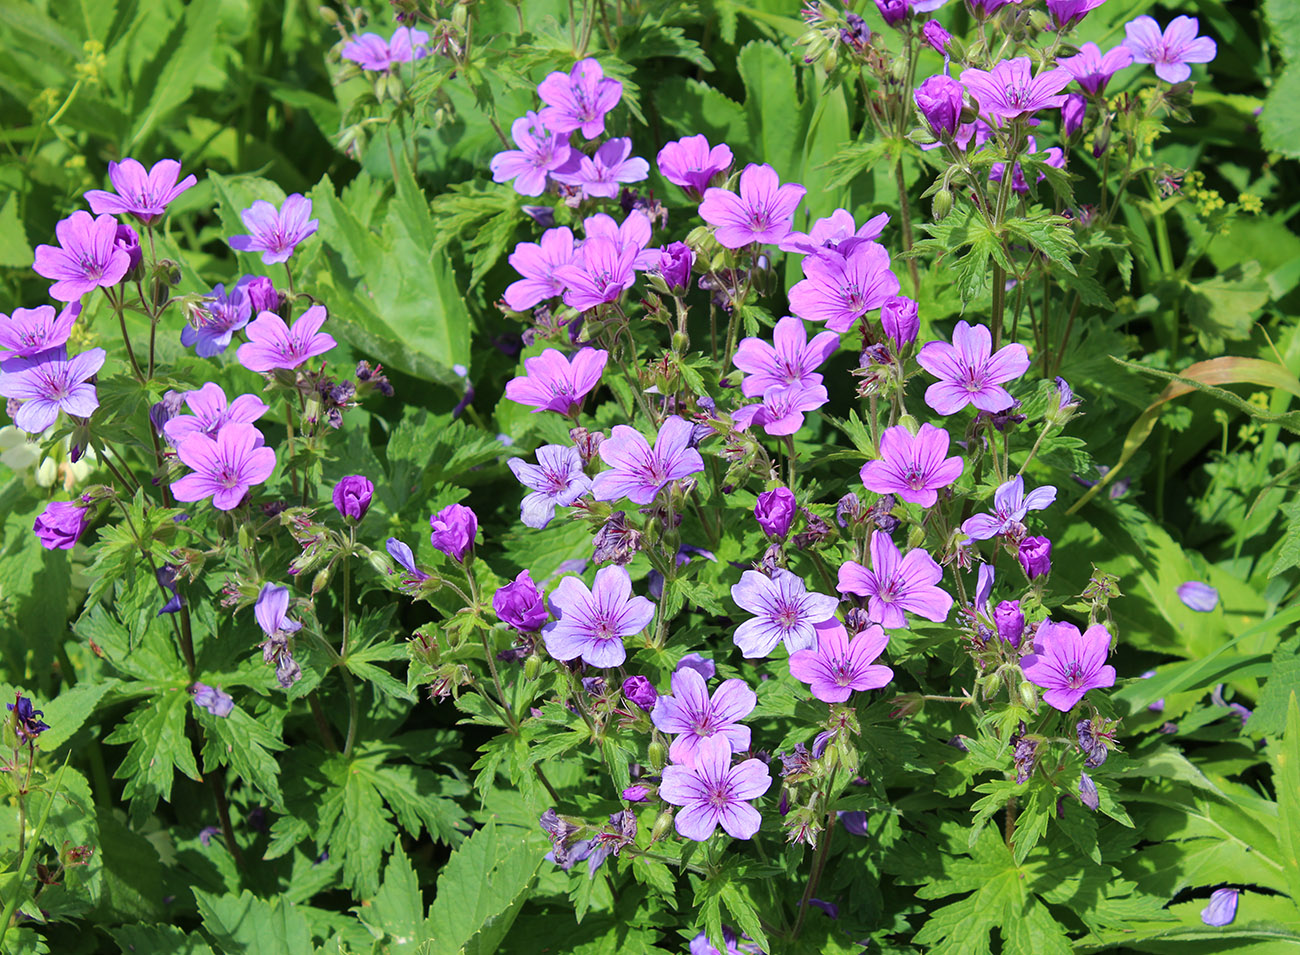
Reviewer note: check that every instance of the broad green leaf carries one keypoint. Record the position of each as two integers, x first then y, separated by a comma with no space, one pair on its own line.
159,747
1286,782
169,81
245,745
772,106
397,909
253,926
163,939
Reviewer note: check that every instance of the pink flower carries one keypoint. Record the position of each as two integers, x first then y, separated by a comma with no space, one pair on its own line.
762,212
592,624
639,472
144,195
896,583
714,793
789,360
601,272
579,99
540,151
784,611
49,382
86,258
839,666
1172,50
692,164
1010,89
836,233
372,52
912,466
782,408
695,718
272,344
839,289
633,233
1066,13
211,413
599,176
224,468
1091,70
276,233
1010,505
1067,664
552,382
30,331
968,371
537,263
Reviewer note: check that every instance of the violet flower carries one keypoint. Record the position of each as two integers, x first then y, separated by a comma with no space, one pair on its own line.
401,553
774,511
784,612
592,623
692,164
537,262
937,37
1198,596
272,613
1222,908
372,52
838,232
212,699
640,691
763,211
224,468
639,472
30,331
838,666
1091,70
1066,13
1170,51
27,720
86,258
211,413
1010,505
272,344
986,8
352,495
1035,556
552,382
695,718
144,195
896,583
220,316
601,272
782,408
969,372
556,480
914,467
1067,664
49,382
632,233
1010,89
276,233
579,99
900,320
939,99
700,664
674,267
789,360
840,289
519,604
712,792
61,525
453,530
600,175
541,151
893,12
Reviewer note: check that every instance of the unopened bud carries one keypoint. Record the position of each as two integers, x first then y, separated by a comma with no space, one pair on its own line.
657,756
662,826
328,15
322,579
532,666
942,205
1029,695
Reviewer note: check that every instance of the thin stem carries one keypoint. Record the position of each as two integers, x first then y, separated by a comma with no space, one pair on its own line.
120,311
818,867
790,461
905,216
322,724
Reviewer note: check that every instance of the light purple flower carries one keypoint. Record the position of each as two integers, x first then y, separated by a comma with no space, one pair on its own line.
142,194
1035,556
276,233
352,495
701,665
1222,908
1073,112
896,583
537,262
900,320
541,151
552,382
639,472
782,408
789,360
401,553
695,717
272,611
840,289
893,12
212,699
49,382
592,624
30,331
599,176
272,344
579,99
1067,664
452,531
939,99
1198,596
1010,505
224,468
601,272
86,258
220,316
912,466
969,373
633,233
691,163
1091,70
763,211
1010,89
784,611
60,525
836,233
775,512
712,792
519,604
211,413
1066,13
372,52
838,666
1171,51
556,480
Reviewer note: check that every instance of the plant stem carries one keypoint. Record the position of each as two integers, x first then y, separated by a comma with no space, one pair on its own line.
322,724
818,867
905,217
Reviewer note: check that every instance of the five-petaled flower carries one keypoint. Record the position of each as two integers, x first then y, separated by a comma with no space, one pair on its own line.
1091,70
691,163
1067,663
1010,505
896,583
49,382
541,150
840,289
601,272
579,99
86,258
556,480
784,611
372,52
763,211
592,623
224,467
552,382
1010,89
837,666
1172,50
789,360
272,344
30,331
218,318
211,413
599,175
276,233
782,409
537,262
638,471
144,195
913,466
970,372
694,717
712,792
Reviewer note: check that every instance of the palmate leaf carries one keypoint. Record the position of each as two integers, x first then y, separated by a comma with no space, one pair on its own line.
245,745
159,747
253,926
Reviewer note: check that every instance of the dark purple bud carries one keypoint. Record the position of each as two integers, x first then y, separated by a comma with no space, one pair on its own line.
893,11
352,496
1035,556
1010,621
60,525
262,295
775,512
544,216
519,604
1073,111
616,540
27,722
163,411
820,742
636,793
1025,758
641,691
212,699
453,532
1067,398
129,242
854,823
940,101
675,262
899,319
936,36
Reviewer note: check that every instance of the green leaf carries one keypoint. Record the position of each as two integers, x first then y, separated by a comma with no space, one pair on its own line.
772,106
397,909
1279,123
253,926
1286,781
168,82
245,745
68,711
159,747
162,939
354,825
1050,234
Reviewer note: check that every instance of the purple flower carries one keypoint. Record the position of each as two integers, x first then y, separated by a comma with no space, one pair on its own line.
541,151
592,624
1091,70
639,472
893,11
939,99
900,320
599,176
985,8
271,611
453,530
519,604
223,468
784,611
896,583
1010,505
1088,792
276,233
552,382
556,481
840,289
701,665
144,195
700,944
1066,13
401,553
220,316
579,99
1035,556
675,260
27,720
601,272
839,666
641,691
1170,51
1010,89
712,792
782,409
1222,908
762,212
86,258
372,52
694,717
636,793
1068,664
775,512
60,525
789,360
936,36
854,823
30,331
273,344
1009,621
914,467
49,382
212,699
1198,596
969,373
634,234
1073,112
537,262
691,163
836,233
211,413
352,496
128,240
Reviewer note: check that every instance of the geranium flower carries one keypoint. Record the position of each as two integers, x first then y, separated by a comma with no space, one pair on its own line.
537,262
691,163
782,408
144,195
579,99
220,317
713,793
556,480
969,373
784,611
1172,50
837,666
225,467
912,466
552,382
276,233
1010,505
1067,664
639,472
789,360
840,289
592,624
30,331
896,583
541,150
272,344
211,413
599,176
372,52
694,717
836,233
1091,70
1010,89
86,258
763,211
601,272
49,382
633,233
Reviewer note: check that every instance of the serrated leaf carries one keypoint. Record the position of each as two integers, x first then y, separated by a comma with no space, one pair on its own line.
397,909
245,745
253,926
168,939
159,747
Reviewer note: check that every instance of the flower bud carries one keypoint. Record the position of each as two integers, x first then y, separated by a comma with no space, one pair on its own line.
657,756
532,666
352,496
900,320
453,531
936,36
637,793
894,12
322,579
60,525
942,205
662,826
1035,556
940,101
519,604
1028,695
128,241
675,260
775,512
1073,111
1010,621
262,295
641,691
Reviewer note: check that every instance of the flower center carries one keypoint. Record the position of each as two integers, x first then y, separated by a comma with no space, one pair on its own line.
1019,96
719,797
914,477
786,614
843,673
1075,675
